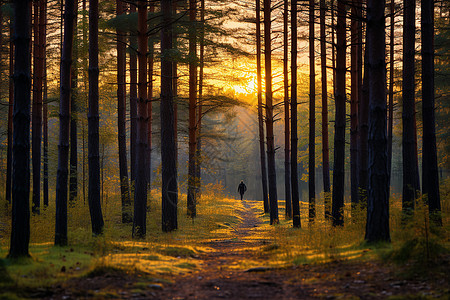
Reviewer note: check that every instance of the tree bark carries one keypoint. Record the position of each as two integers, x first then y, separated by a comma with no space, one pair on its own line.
168,165
312,118
262,151
409,146
140,192
20,225
150,60
191,201
36,123
42,54
363,123
339,135
325,147
391,86
198,153
269,115
121,119
64,127
93,123
287,161
430,178
354,100
10,113
133,100
294,139
377,228
73,171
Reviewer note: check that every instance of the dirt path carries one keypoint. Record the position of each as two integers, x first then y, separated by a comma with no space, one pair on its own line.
223,275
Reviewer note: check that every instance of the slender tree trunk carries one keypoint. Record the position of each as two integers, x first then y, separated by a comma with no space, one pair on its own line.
339,134
333,46
377,228
354,100
20,229
312,118
269,115
45,133
85,84
168,164
121,119
150,60
133,99
191,201
175,85
198,154
262,150
363,123
140,192
391,87
287,161
36,126
73,171
10,113
430,178
93,123
43,54
409,146
325,147
64,127
294,139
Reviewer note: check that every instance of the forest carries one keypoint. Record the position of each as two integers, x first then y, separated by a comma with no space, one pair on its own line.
207,149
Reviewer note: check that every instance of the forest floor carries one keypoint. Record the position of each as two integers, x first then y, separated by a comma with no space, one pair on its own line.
240,265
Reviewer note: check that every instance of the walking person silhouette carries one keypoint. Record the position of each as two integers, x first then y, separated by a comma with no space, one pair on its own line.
242,188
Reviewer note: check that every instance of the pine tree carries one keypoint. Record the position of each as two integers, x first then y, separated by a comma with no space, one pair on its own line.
339,133
377,227
294,139
20,229
93,123
64,127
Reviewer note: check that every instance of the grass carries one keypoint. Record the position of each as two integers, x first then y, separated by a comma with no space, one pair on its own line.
162,255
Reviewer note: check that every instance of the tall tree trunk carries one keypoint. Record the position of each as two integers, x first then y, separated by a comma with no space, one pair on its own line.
198,151
64,127
294,139
175,85
354,100
133,100
20,229
45,133
168,165
121,119
140,192
339,134
269,115
333,46
191,201
150,60
73,171
363,123
325,147
262,151
43,54
409,146
430,178
287,161
377,228
312,118
10,113
391,86
93,123
85,84
36,123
